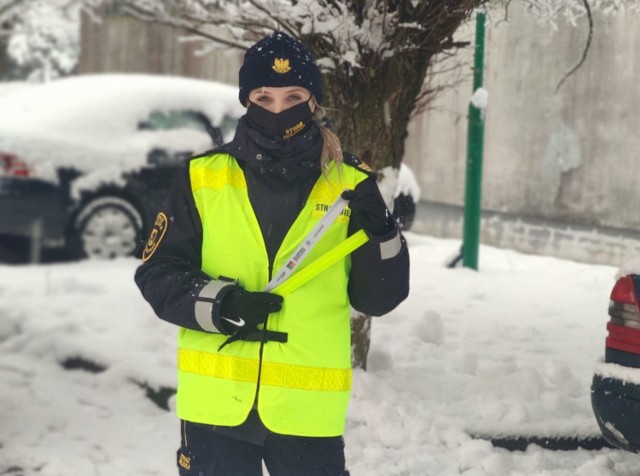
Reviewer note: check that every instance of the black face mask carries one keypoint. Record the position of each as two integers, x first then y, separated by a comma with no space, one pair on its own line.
284,124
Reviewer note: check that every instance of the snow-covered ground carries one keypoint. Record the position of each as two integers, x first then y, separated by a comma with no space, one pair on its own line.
506,351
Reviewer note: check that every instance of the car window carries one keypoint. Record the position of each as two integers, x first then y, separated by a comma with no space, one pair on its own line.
166,120
228,126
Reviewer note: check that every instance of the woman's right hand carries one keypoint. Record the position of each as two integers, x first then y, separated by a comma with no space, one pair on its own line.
245,310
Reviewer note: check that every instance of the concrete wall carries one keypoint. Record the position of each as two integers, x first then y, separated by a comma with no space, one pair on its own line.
560,169
590,244
569,157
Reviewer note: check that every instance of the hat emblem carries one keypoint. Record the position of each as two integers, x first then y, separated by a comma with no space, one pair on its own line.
281,65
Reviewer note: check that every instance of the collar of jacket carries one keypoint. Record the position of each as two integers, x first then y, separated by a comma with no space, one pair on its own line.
288,160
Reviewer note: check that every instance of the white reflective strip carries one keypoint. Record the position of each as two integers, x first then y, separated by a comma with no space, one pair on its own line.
212,288
391,248
307,244
204,316
204,309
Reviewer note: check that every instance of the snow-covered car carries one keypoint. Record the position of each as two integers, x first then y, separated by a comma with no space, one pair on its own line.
13,86
85,161
615,390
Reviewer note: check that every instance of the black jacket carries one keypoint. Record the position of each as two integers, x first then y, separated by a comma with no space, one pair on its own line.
172,278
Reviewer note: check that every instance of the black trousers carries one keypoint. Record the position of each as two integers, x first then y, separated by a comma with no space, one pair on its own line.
207,453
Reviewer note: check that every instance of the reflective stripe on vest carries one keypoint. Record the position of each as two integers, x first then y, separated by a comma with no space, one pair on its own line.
305,382
279,375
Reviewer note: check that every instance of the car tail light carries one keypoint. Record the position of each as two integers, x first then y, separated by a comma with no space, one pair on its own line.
625,290
12,166
626,339
623,340
624,302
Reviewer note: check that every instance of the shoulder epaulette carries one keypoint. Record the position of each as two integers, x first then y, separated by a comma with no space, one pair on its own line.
354,161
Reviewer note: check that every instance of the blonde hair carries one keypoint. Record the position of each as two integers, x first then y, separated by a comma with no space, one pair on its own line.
331,149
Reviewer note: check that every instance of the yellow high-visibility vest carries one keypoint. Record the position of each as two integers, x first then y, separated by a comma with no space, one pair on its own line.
304,383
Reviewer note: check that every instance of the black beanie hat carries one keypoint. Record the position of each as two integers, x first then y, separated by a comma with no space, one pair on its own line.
276,61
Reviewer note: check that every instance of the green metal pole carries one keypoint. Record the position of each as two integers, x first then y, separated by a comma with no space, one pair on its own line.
475,143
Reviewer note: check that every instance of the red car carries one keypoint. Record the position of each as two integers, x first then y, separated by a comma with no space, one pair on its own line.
615,391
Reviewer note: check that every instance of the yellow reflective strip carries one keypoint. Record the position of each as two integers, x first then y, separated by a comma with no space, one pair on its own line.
317,266
305,378
274,374
325,191
215,365
205,177
328,186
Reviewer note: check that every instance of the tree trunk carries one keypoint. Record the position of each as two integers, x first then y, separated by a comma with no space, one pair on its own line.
371,106
371,116
360,339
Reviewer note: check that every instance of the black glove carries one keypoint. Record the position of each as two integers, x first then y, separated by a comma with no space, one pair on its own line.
369,211
244,310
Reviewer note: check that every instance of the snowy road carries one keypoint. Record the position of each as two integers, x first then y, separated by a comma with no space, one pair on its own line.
507,351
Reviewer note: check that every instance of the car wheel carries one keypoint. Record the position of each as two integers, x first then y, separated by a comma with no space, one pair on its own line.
106,228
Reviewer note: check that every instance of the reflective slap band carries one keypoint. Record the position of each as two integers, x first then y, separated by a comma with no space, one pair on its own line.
204,304
204,316
307,245
304,275
390,248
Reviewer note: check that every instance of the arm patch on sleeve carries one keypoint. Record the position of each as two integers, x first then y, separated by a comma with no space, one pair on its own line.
157,233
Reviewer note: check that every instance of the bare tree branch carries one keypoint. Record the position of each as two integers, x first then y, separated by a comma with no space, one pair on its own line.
278,21
144,16
586,47
505,18
7,5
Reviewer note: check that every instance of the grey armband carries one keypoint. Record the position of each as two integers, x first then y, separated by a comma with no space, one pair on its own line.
208,303
390,248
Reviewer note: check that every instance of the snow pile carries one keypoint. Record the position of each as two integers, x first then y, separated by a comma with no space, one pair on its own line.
407,184
396,182
12,86
480,98
506,351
